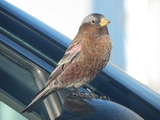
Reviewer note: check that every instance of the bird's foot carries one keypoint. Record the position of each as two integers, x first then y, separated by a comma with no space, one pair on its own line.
89,96
94,95
82,95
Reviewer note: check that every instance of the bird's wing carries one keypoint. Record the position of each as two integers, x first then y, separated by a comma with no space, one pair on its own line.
71,54
72,51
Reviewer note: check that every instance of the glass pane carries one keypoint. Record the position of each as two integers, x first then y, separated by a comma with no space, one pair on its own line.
7,113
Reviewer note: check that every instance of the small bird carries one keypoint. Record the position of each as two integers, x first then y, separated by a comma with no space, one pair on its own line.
85,57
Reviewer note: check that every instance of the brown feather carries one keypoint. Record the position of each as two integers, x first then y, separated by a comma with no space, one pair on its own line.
86,56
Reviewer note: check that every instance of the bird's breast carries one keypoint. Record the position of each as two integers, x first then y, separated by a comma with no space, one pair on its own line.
96,47
95,54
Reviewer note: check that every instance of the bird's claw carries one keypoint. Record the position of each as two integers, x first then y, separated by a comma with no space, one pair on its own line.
82,95
89,96
99,97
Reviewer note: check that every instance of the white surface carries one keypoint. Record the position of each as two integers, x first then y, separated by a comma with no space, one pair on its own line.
143,41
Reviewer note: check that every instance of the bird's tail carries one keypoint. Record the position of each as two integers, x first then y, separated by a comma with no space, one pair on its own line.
41,95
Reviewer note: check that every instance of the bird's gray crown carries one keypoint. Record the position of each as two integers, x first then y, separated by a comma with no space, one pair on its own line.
95,16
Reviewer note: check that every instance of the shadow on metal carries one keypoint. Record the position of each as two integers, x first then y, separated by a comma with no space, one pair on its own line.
95,109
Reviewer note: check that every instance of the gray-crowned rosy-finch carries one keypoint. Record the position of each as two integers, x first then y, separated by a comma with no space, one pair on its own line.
86,56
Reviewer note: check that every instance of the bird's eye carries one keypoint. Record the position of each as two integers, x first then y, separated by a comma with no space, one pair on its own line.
93,21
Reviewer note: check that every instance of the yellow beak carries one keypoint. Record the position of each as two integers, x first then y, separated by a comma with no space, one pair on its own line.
104,22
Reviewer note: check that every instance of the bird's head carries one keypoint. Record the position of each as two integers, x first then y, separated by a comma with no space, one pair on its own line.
96,19
94,22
